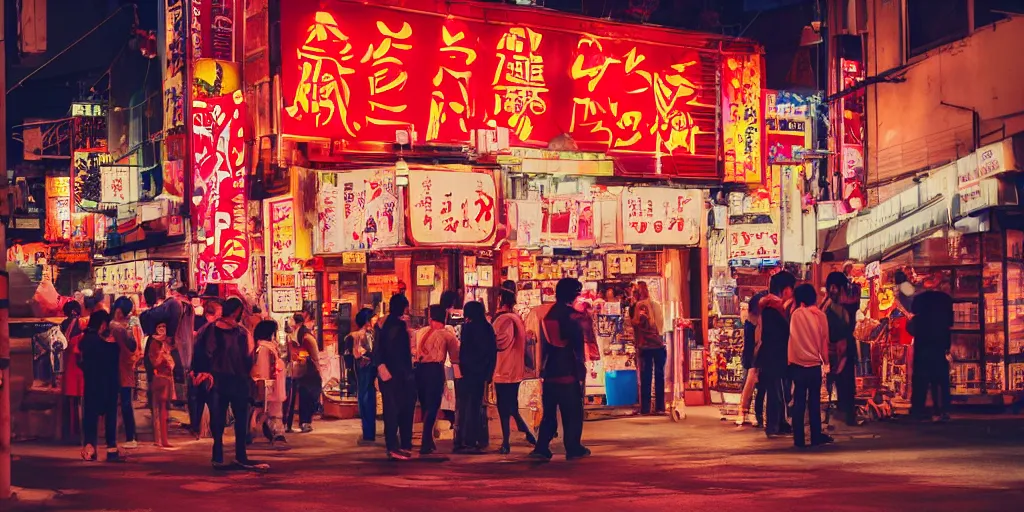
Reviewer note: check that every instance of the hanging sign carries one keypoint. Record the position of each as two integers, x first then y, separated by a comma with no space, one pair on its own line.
529,222
359,72
58,208
741,116
753,241
174,64
661,216
280,211
452,208
787,126
120,184
219,201
357,210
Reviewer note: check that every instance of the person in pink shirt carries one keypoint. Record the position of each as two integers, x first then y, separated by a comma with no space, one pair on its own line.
808,360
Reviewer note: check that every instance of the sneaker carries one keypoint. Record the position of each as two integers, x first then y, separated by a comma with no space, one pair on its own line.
538,455
398,455
280,439
582,453
306,428
89,452
219,465
428,450
504,450
251,465
131,445
406,452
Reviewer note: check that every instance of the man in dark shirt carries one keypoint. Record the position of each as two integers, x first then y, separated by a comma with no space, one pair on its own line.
392,355
100,358
222,367
930,326
563,372
773,357
842,346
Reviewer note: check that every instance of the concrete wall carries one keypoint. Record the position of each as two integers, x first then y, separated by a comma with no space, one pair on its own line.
909,126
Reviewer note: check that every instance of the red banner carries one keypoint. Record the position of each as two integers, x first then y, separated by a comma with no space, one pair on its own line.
357,73
219,198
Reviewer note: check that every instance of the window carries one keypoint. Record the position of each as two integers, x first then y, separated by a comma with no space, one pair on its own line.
987,12
933,23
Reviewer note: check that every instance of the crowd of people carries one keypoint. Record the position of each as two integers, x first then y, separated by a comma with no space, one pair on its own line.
225,356
794,343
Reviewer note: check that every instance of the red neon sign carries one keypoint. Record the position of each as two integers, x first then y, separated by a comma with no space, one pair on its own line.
357,73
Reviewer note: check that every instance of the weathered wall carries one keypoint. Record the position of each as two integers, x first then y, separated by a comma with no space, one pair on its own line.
910,127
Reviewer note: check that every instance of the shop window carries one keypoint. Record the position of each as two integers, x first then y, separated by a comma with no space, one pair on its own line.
933,23
987,12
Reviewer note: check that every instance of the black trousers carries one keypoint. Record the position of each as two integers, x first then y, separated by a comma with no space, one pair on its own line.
290,406
96,403
429,389
233,392
565,399
128,414
399,397
930,376
846,392
775,402
806,400
508,409
652,362
470,414
308,396
759,396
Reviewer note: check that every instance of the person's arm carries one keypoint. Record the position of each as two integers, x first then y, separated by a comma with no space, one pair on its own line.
452,346
504,332
823,339
309,343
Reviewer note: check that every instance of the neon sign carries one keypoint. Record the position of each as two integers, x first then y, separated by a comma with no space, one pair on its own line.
359,73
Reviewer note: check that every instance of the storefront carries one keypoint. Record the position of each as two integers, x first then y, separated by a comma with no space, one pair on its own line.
975,259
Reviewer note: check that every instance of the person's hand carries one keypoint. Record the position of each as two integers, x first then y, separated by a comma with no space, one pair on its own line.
825,369
200,378
383,373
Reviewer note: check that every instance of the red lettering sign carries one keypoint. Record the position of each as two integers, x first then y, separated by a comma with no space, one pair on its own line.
357,72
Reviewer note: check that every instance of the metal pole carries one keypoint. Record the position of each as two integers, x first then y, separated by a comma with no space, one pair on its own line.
5,339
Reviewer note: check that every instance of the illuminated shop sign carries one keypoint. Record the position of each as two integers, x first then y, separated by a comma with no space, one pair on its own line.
360,73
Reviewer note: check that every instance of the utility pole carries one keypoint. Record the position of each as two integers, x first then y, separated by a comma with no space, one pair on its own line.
5,303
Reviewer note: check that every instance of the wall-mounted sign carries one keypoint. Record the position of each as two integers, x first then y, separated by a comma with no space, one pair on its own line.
742,120
174,64
753,241
452,208
357,210
58,208
661,216
352,258
424,275
219,200
360,72
976,190
85,109
120,184
787,126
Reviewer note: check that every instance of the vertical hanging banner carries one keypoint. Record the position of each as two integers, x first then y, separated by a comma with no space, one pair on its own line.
58,208
219,197
742,118
452,208
120,184
284,276
852,187
357,210
661,216
174,64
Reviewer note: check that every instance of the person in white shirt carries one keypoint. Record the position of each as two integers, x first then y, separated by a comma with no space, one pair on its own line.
808,359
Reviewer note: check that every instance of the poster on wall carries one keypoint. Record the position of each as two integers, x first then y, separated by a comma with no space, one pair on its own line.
280,212
614,93
174,65
787,126
753,241
661,216
449,207
741,116
219,200
529,222
120,184
58,208
87,182
357,211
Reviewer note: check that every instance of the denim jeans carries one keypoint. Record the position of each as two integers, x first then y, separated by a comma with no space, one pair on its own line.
367,400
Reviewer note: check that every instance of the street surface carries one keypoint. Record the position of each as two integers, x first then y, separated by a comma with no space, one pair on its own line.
973,463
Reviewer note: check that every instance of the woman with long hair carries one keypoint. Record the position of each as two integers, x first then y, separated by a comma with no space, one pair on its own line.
750,383
161,381
477,358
